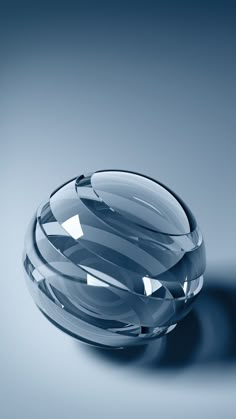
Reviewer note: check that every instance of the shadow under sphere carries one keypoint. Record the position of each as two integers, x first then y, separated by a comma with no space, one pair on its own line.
207,336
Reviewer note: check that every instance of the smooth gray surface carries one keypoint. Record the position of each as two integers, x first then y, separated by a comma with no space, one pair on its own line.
140,88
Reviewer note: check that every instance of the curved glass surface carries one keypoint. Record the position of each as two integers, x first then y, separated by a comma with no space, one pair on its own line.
114,258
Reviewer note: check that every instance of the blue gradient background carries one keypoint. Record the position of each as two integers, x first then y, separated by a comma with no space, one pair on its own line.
144,86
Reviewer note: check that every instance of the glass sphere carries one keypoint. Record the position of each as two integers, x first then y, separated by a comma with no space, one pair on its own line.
114,258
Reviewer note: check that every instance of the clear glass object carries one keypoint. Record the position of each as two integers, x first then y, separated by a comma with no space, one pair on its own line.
114,258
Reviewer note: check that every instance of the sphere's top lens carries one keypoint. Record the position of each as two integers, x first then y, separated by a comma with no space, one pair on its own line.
143,201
